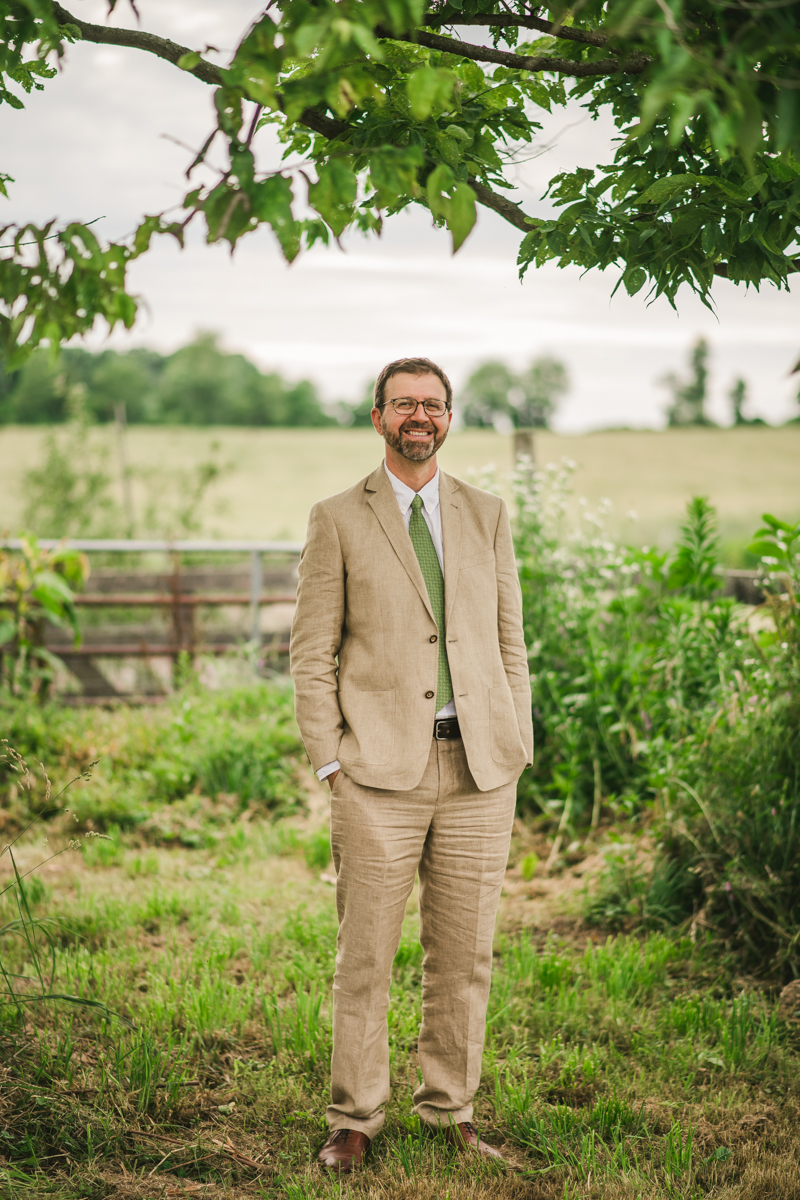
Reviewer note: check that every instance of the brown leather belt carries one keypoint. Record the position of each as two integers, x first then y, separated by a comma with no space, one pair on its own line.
446,729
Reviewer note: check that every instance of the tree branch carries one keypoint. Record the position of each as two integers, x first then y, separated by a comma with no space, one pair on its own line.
522,62
501,205
331,128
206,72
319,122
564,32
137,39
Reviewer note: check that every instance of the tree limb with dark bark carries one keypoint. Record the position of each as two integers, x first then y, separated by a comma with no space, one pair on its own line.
512,21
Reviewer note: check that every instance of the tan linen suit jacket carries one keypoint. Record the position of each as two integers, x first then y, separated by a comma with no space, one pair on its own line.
362,600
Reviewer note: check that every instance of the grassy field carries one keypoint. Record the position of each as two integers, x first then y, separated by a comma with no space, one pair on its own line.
276,475
621,1068
614,1068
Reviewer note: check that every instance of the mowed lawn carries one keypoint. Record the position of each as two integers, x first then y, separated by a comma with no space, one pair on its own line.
275,476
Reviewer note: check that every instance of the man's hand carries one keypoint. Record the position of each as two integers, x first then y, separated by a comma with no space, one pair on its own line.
330,778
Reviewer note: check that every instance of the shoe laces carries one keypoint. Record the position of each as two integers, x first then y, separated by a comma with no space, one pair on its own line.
341,1135
469,1127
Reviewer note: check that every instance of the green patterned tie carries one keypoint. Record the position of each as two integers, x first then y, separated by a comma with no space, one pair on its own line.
425,551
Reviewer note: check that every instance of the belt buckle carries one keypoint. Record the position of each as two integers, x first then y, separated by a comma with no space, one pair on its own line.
436,734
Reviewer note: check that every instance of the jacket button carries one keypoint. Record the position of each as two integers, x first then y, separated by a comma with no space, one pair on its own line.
433,637
429,695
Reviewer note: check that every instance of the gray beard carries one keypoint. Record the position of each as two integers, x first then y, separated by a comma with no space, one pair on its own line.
407,447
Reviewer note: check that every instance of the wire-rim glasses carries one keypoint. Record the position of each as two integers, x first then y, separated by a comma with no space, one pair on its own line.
404,406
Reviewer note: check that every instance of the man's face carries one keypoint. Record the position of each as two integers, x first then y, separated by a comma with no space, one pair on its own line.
419,436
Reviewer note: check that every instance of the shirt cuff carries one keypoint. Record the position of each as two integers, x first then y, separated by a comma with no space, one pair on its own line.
328,769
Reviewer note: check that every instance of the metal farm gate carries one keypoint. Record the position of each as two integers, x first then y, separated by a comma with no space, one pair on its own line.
153,612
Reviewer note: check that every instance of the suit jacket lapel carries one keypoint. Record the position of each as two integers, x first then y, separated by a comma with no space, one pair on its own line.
451,538
382,500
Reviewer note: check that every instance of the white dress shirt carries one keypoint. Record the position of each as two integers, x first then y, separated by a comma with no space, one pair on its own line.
432,512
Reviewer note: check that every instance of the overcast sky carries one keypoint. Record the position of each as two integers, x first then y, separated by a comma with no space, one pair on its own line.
109,138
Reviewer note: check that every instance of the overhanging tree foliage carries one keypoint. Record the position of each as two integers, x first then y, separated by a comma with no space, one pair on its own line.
383,103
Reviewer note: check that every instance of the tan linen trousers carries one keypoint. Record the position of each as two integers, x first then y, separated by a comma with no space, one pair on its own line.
458,838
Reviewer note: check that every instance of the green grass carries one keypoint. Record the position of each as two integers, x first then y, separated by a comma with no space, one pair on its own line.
180,772
615,1067
277,475
201,926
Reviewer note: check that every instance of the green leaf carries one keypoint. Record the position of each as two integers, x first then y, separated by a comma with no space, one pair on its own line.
188,62
426,89
440,180
462,215
8,630
667,188
53,586
273,203
635,280
334,193
753,185
708,240
456,131
259,81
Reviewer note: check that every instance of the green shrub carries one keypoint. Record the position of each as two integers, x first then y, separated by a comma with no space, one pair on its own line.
651,697
728,795
625,647
734,813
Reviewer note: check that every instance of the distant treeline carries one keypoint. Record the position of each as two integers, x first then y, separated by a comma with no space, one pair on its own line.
200,384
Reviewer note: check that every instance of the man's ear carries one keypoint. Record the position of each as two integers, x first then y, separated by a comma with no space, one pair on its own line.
376,420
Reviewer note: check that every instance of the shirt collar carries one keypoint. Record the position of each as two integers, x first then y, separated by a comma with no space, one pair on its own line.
404,494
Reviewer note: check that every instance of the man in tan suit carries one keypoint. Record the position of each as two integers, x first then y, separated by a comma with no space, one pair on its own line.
413,699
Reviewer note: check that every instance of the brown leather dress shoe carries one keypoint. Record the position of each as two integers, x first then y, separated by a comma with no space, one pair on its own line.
464,1136
344,1149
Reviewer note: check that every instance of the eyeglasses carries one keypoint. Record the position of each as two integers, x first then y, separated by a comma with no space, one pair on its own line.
405,407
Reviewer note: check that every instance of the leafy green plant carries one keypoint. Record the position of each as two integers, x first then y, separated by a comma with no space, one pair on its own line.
732,800
625,647
528,866
630,893
778,545
727,789
36,586
695,567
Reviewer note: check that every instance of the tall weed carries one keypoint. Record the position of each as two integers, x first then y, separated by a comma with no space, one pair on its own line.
625,647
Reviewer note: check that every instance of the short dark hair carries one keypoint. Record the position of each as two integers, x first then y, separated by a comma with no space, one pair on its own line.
410,366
